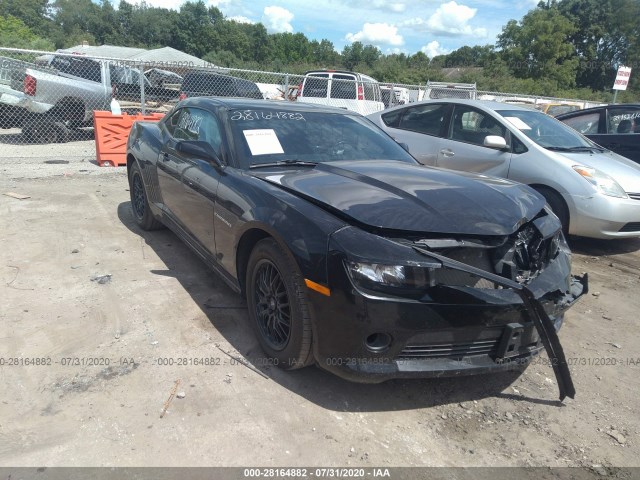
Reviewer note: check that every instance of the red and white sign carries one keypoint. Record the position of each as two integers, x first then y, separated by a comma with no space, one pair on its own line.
622,79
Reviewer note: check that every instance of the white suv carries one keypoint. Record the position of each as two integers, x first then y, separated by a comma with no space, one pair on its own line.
349,90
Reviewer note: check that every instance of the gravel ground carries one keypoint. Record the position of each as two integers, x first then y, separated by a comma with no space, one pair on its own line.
130,320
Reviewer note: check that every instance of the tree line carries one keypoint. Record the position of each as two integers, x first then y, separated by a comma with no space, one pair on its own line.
567,48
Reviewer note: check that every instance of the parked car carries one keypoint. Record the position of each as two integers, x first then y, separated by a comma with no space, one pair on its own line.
351,254
388,97
449,90
163,78
594,192
616,127
349,90
205,84
555,109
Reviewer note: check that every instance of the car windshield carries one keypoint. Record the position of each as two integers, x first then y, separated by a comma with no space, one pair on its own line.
270,135
547,131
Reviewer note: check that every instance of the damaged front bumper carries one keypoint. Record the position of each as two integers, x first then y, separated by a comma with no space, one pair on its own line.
453,330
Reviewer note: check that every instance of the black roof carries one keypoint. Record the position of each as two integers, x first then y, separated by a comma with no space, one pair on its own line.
596,109
250,103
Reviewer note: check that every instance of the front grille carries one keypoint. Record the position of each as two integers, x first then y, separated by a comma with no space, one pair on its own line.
634,196
450,350
631,227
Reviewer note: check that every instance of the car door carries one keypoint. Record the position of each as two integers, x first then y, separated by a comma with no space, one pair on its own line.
623,131
463,146
589,125
420,127
201,178
171,164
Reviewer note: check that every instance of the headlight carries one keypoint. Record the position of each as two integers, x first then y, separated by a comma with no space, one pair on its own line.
603,182
402,280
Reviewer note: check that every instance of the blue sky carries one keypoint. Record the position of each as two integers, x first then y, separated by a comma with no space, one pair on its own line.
409,26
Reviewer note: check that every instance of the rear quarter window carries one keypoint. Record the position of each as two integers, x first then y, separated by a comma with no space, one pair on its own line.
344,87
424,119
316,86
248,89
392,119
78,67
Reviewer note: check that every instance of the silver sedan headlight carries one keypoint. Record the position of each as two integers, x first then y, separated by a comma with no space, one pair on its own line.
601,181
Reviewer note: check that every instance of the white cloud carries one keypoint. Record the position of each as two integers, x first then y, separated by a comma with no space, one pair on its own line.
433,49
385,5
377,33
277,19
241,19
218,3
450,19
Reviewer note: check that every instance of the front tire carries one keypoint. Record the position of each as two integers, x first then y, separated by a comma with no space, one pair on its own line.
558,206
139,203
278,306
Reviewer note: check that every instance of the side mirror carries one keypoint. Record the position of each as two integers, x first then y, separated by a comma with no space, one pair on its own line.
199,149
495,141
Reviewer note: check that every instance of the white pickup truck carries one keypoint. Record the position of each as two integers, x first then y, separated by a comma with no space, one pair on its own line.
53,99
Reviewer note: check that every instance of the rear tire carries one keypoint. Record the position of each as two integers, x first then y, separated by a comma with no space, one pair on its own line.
139,202
41,130
558,205
278,306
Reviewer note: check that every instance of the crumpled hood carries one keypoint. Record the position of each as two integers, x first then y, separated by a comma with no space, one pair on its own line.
401,196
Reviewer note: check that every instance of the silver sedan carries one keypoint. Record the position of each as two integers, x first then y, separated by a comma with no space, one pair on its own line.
594,192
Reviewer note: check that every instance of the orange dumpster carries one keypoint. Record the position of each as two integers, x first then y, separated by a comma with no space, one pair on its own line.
111,133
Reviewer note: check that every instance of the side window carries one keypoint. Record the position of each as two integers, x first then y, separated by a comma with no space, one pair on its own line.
392,119
248,89
343,86
370,89
210,131
424,119
623,120
196,124
316,86
171,123
78,67
473,126
516,145
586,124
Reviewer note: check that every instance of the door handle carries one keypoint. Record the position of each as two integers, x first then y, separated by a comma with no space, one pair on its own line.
447,152
165,157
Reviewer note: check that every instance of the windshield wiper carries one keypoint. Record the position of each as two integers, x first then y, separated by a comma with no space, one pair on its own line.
284,163
574,149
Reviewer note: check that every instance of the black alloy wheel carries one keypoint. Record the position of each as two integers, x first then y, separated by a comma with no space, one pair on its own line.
139,204
278,306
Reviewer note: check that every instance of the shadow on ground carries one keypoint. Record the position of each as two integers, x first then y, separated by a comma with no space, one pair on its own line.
597,248
226,310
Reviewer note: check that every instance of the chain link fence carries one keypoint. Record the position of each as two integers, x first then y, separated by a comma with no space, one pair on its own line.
50,97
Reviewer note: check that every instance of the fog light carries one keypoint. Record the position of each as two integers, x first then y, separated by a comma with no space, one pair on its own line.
378,342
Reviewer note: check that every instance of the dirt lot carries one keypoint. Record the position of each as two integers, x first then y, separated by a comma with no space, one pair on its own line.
115,346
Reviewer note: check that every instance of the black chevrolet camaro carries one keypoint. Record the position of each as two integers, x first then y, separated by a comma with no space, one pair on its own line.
350,254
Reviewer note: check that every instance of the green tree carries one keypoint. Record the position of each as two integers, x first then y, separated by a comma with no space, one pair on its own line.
598,39
324,53
15,34
33,13
195,33
352,55
539,47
